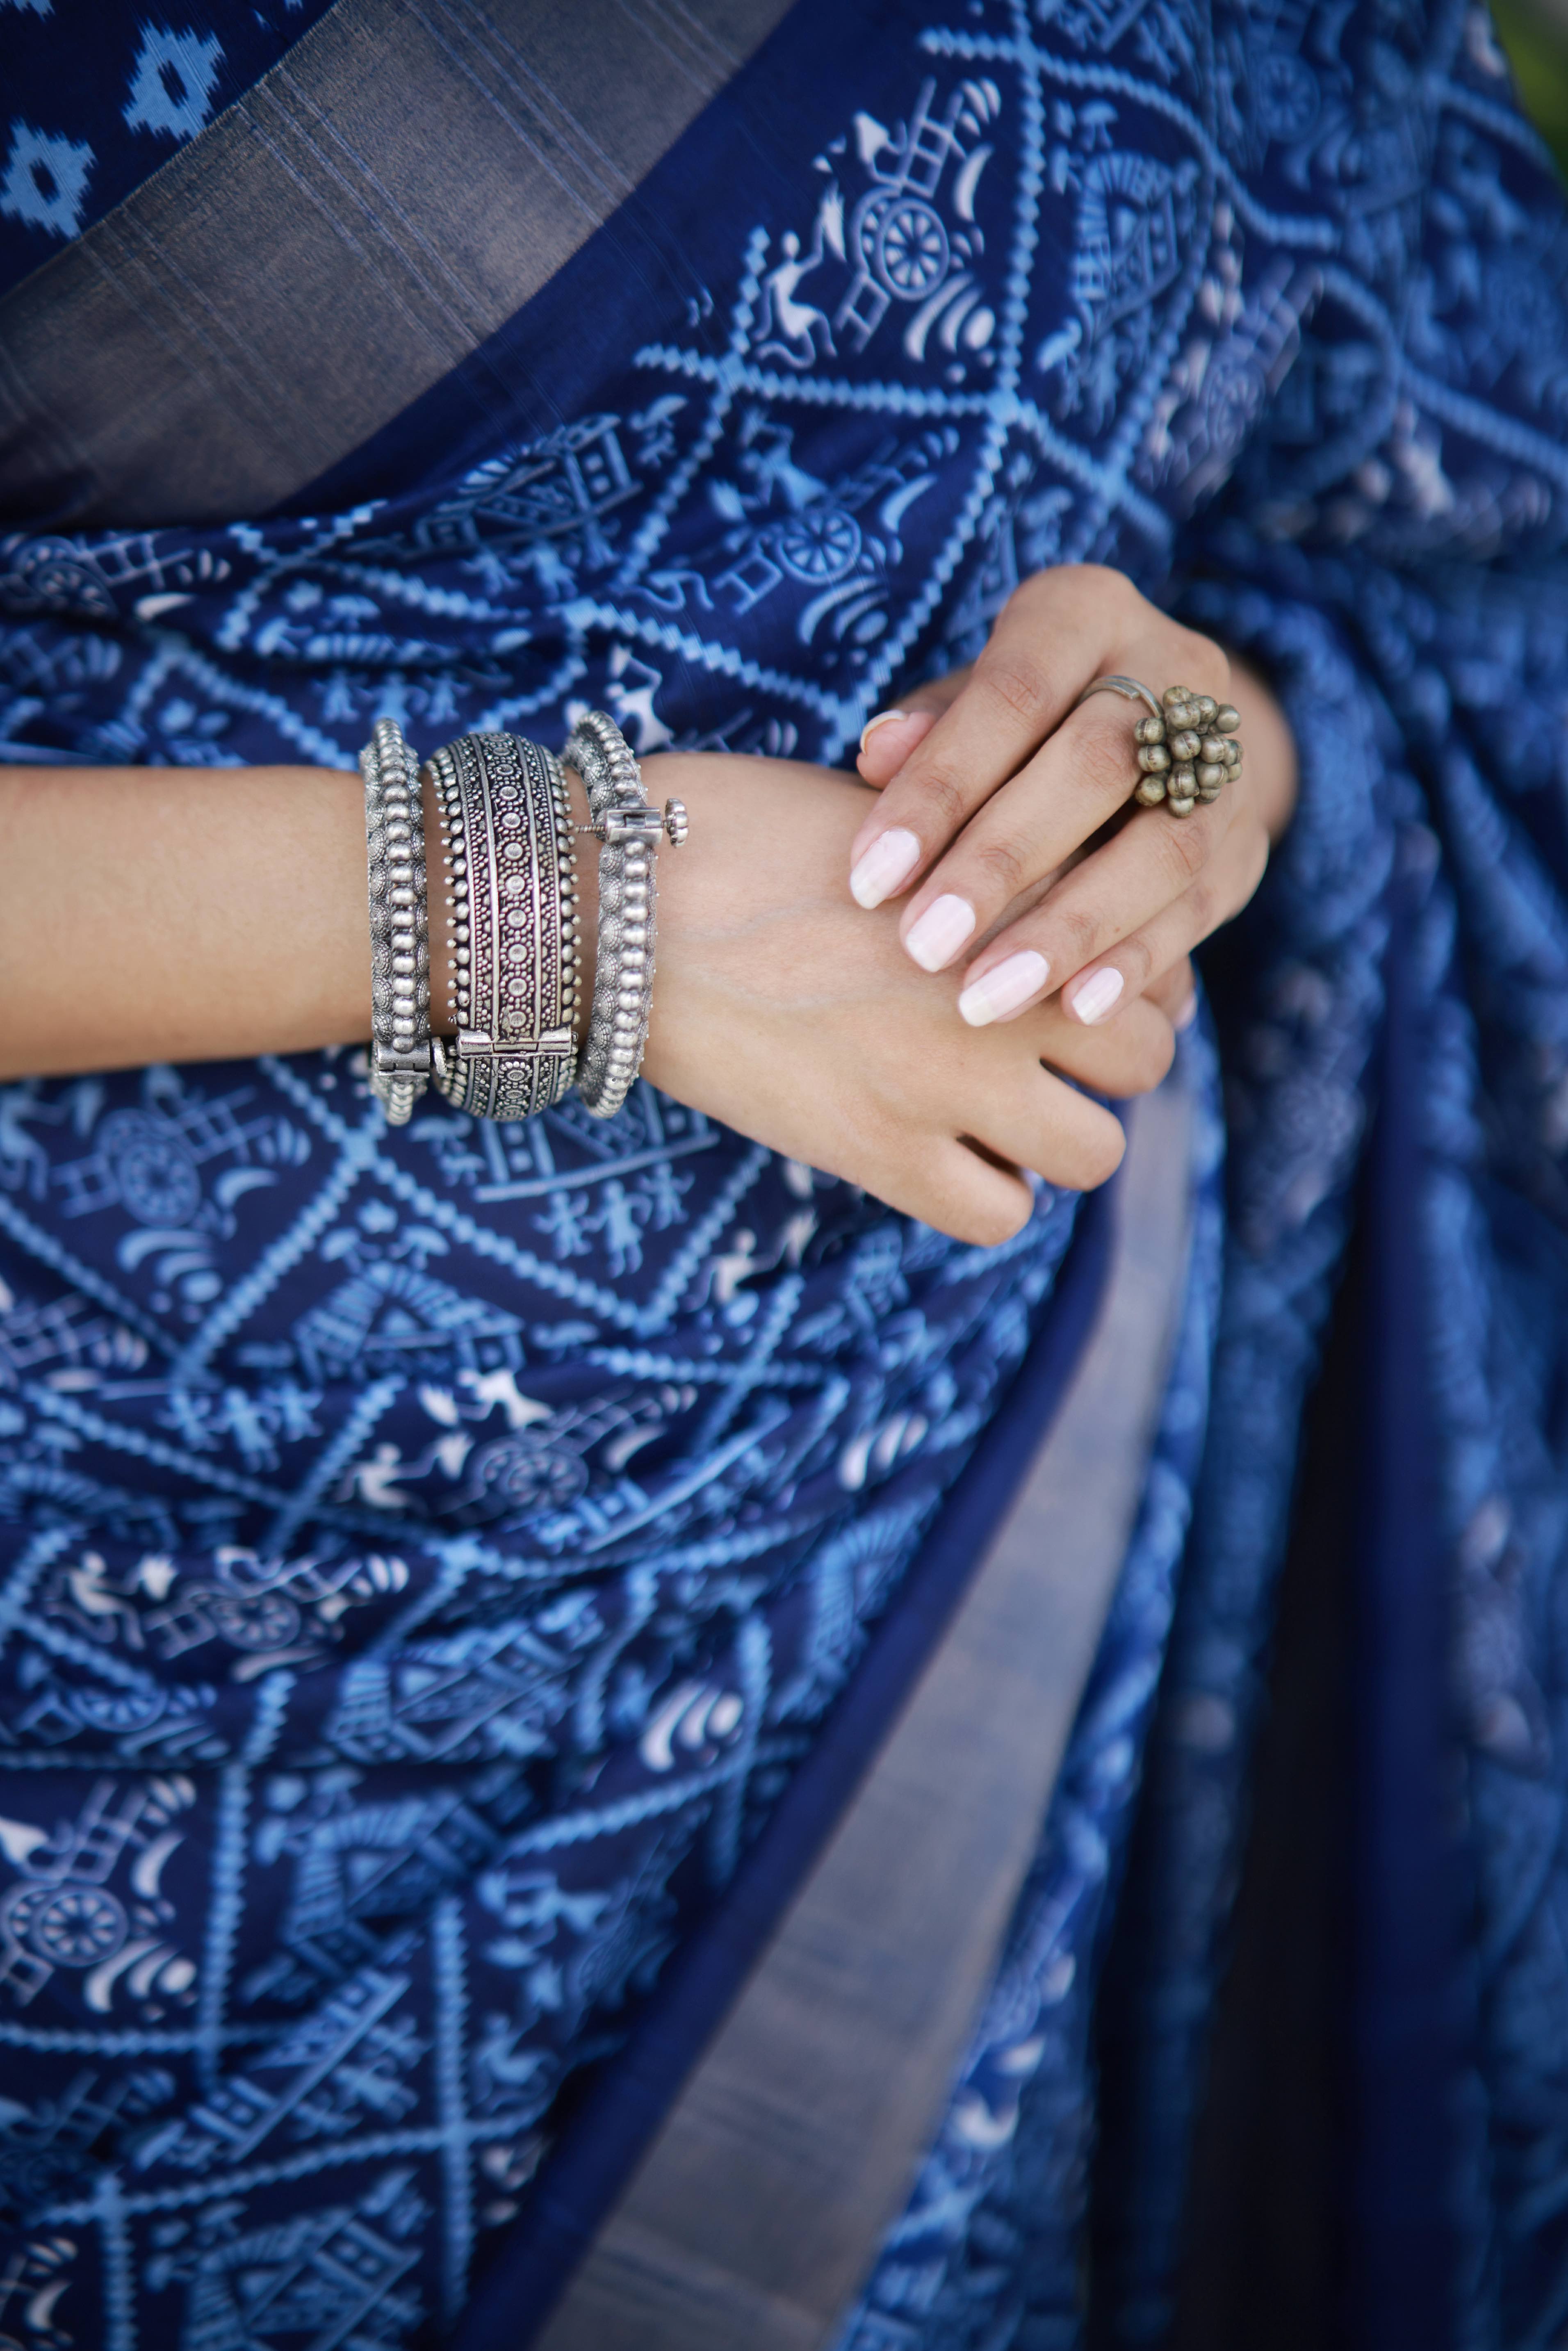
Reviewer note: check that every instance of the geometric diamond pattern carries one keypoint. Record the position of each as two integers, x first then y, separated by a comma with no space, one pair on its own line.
427,1554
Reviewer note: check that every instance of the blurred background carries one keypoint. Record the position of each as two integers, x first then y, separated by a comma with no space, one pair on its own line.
1535,35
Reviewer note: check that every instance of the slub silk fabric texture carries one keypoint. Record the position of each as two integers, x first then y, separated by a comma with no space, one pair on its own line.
428,1553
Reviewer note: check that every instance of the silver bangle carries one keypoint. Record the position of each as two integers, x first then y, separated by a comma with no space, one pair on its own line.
400,923
629,833
512,906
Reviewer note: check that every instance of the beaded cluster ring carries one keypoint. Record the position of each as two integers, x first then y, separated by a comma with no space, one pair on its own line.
1188,750
511,904
399,930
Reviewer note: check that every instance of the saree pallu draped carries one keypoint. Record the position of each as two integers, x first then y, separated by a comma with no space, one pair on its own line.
429,1556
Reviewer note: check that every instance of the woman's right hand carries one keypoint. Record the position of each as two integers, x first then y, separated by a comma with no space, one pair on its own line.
784,1010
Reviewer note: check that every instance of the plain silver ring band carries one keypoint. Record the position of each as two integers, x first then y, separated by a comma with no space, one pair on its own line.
1129,688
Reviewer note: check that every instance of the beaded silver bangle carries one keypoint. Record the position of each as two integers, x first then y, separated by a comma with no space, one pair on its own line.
629,833
400,924
512,906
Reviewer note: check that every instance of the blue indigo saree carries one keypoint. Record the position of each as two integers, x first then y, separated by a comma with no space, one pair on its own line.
429,1557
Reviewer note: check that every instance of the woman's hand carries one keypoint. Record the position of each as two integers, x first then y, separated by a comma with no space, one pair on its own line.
186,914
783,1009
999,877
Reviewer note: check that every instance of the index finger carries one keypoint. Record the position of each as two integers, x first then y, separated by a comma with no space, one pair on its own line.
1047,643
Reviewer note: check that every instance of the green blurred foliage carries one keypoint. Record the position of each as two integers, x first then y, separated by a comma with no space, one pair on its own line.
1537,46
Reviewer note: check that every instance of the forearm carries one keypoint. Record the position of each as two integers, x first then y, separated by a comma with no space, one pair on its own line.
178,913
192,914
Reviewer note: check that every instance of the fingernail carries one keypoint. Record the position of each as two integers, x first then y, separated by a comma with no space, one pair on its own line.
1187,1014
1093,999
891,859
883,718
941,930
1004,987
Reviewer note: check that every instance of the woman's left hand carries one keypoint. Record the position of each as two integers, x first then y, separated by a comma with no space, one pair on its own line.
1102,925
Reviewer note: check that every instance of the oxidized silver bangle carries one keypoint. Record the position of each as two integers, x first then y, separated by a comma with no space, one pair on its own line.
1186,747
399,922
629,833
512,908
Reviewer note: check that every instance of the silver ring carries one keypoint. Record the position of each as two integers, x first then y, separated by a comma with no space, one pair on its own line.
1188,750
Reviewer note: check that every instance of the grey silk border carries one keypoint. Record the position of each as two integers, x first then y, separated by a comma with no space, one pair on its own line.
338,239
758,2209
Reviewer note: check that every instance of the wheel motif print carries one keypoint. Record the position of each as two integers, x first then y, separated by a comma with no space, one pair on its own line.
819,543
69,1925
1287,98
153,1169
115,1711
910,249
521,1473
261,1620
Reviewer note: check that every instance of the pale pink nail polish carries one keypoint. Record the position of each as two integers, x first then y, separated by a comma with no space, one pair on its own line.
1004,987
883,718
1187,1014
891,859
1094,997
941,930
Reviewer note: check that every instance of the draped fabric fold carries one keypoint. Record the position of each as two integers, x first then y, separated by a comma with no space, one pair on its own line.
430,1557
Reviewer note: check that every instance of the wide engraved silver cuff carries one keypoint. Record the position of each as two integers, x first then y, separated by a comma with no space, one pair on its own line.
512,912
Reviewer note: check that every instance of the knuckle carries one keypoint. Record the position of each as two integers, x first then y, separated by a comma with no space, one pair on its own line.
1170,991
1135,960
1005,1224
1104,767
1099,1151
1106,585
1154,1051
942,797
1208,662
1040,588
1080,935
1187,851
1013,680
1129,597
987,1209
1002,864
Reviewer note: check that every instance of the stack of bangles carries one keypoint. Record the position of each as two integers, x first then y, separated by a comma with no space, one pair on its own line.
508,854
510,1046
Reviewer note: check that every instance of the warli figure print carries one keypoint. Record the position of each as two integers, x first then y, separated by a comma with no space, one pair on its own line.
428,1554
